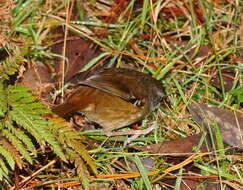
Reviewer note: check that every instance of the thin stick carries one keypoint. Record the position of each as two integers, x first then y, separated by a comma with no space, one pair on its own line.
34,174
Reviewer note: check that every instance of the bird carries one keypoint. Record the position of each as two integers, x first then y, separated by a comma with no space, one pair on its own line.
112,97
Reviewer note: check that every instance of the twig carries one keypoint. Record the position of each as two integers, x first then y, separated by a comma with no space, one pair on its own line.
34,174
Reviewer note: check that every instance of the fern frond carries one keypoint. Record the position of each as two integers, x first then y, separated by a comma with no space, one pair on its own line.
27,114
11,64
81,150
81,170
3,102
11,148
65,131
3,170
1,174
57,148
21,120
7,156
22,137
26,122
73,142
19,146
21,109
78,162
3,166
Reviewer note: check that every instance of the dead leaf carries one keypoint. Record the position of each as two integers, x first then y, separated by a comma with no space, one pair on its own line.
177,147
100,186
147,163
215,185
38,79
121,185
187,184
231,125
228,81
78,52
116,10
191,52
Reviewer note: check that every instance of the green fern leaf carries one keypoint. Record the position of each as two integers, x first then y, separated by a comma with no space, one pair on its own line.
19,146
18,106
1,126
27,113
72,139
1,174
22,137
3,167
81,150
26,121
3,170
11,149
3,103
11,64
81,170
79,164
7,156
50,138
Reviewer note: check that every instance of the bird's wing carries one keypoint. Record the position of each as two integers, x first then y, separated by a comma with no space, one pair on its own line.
109,84
112,81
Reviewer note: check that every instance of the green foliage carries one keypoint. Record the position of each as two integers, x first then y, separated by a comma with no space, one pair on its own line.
71,141
11,62
238,92
21,120
9,159
3,103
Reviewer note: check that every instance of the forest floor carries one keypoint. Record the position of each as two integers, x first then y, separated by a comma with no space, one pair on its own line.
193,47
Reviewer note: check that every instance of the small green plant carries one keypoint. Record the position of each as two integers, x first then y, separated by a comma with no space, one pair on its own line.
21,119
23,128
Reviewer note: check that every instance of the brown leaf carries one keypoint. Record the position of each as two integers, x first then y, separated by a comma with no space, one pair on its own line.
201,53
228,81
196,55
178,147
38,78
121,185
215,185
187,184
100,186
116,10
78,52
147,163
231,126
